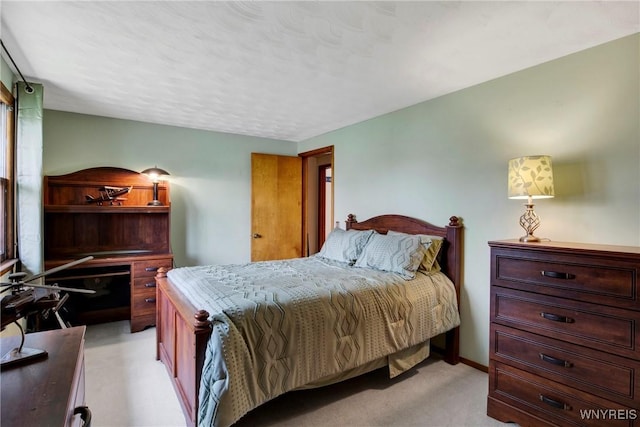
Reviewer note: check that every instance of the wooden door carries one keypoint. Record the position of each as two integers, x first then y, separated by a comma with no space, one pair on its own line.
276,207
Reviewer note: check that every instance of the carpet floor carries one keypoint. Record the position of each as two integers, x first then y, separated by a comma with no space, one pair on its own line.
127,387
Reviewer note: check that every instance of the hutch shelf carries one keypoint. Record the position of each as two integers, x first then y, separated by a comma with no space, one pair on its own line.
103,212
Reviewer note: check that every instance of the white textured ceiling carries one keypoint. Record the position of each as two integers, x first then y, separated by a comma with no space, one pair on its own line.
286,70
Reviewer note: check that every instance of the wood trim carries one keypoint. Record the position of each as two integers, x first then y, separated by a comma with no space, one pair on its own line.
305,182
11,238
441,352
5,95
475,365
322,197
8,265
305,208
317,152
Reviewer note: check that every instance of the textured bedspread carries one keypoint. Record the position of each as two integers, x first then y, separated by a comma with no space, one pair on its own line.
279,325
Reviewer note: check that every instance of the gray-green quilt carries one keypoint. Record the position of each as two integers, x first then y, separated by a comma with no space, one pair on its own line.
281,325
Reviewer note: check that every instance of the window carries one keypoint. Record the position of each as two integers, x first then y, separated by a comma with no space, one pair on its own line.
7,202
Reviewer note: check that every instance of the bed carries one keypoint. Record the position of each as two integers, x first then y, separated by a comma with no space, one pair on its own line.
233,337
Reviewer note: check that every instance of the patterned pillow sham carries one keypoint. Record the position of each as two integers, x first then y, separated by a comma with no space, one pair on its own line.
344,246
396,253
432,245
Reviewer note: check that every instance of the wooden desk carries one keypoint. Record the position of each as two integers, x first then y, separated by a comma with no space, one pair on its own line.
129,238
46,391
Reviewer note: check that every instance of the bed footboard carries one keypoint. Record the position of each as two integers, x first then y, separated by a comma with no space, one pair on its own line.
182,332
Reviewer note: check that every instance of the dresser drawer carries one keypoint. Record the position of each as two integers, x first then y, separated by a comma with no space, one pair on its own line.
144,284
604,328
144,303
555,402
150,268
143,291
592,279
569,364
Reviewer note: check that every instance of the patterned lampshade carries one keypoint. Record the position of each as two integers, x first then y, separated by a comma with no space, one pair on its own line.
531,176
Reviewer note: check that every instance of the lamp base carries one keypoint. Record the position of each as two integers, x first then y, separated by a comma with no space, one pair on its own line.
155,201
19,356
529,221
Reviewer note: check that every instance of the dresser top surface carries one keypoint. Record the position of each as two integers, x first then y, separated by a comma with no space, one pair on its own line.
572,246
40,390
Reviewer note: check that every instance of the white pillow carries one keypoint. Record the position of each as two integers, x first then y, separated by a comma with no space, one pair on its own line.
345,246
400,253
432,245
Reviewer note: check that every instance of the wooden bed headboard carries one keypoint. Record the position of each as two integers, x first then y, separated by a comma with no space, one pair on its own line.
452,233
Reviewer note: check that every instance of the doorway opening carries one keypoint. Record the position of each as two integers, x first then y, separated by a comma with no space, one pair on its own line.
318,188
325,203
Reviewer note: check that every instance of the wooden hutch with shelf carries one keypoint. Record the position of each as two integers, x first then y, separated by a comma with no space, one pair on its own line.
128,239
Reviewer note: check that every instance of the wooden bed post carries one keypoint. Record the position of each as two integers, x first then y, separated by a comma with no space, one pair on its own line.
351,219
454,271
182,333
161,273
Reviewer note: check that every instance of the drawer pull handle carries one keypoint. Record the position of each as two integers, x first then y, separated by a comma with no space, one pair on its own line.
555,361
85,415
150,285
151,268
149,300
556,275
556,318
555,403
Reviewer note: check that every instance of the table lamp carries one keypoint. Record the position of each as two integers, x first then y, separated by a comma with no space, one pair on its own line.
530,177
154,175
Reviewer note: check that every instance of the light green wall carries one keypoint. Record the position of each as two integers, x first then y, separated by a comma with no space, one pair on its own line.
210,175
448,156
444,157
6,75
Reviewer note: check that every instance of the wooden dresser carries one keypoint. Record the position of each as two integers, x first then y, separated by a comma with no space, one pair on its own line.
564,334
128,239
48,391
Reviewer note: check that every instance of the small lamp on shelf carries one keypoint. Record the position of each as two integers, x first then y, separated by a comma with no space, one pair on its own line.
154,175
530,177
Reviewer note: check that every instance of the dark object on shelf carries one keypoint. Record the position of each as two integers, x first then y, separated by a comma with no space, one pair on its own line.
28,298
110,300
109,194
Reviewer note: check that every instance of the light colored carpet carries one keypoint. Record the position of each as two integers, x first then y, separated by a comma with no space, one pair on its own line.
124,383
126,386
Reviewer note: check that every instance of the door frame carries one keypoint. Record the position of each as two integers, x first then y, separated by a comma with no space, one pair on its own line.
319,152
322,197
